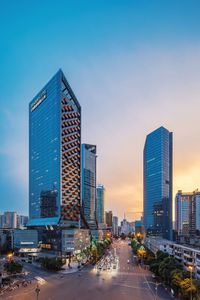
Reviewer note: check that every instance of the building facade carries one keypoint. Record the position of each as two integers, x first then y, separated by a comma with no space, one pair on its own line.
88,189
187,256
187,213
100,204
115,225
54,155
9,220
157,182
109,218
182,212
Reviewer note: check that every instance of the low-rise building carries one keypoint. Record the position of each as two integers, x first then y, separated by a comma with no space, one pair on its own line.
25,239
187,256
75,240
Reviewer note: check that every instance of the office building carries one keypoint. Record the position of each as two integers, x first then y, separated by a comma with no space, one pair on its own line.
139,229
182,212
25,239
109,218
22,221
100,204
9,220
157,176
88,189
115,225
127,227
54,156
187,213
1,221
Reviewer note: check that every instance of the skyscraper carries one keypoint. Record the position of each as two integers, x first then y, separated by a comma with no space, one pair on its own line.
54,155
187,212
182,212
115,225
100,204
89,184
157,176
109,218
9,219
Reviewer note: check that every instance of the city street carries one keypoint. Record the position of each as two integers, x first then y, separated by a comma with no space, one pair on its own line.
127,282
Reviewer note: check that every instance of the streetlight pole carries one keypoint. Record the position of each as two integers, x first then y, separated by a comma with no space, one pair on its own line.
156,288
191,269
37,290
191,284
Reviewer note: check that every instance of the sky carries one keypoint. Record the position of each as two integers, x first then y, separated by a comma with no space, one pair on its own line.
133,65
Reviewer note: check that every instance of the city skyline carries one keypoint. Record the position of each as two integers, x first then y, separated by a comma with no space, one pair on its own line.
127,81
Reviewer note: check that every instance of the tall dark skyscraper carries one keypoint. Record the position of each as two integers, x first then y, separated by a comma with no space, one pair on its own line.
89,184
54,155
158,180
100,212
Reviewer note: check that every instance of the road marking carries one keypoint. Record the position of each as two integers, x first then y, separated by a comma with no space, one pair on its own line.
130,286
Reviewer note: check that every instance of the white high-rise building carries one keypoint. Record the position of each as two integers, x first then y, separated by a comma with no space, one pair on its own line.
115,225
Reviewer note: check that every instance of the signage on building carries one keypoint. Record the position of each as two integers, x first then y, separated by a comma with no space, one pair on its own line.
39,100
45,246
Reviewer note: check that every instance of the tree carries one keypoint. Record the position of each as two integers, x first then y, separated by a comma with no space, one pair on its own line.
5,248
52,263
13,267
187,287
177,277
166,267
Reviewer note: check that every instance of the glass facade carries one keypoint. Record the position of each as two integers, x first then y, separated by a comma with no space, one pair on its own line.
100,204
54,155
157,176
182,212
89,184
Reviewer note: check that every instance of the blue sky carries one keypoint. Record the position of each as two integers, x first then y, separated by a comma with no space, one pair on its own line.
134,65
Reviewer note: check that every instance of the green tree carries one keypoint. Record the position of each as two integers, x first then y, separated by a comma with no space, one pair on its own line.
166,267
52,263
13,267
187,287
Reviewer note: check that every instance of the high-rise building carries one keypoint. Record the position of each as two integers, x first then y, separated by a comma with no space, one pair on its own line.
100,204
89,184
54,155
10,219
22,221
115,225
109,218
182,212
1,221
197,211
127,227
187,212
157,163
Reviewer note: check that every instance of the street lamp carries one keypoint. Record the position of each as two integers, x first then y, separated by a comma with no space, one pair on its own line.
37,290
191,270
9,256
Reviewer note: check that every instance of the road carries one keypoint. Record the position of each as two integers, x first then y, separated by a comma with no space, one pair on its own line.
128,282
